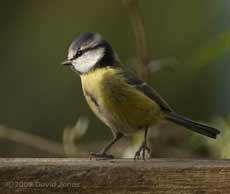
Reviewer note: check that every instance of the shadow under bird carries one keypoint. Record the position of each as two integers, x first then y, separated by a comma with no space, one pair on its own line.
121,100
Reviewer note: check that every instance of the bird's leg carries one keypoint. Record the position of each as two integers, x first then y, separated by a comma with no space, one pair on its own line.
142,148
102,153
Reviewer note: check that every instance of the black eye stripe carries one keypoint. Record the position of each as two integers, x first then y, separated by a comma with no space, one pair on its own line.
81,52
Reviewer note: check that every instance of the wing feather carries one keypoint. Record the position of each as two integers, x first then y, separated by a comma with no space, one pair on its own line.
147,90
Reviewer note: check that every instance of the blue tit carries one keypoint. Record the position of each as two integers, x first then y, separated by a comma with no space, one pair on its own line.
118,98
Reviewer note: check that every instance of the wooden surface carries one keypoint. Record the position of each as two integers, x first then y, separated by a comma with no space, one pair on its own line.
157,176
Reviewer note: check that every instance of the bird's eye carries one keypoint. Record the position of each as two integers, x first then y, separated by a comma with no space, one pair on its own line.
78,53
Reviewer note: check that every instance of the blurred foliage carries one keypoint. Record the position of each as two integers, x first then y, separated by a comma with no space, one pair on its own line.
72,136
189,38
212,50
222,146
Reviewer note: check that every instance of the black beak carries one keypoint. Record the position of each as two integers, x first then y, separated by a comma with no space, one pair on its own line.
67,62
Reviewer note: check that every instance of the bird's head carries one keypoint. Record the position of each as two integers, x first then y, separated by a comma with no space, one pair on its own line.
90,51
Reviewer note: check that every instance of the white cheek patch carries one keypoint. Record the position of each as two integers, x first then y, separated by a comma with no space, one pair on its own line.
86,61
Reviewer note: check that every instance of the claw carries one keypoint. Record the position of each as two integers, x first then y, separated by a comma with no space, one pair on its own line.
99,155
143,148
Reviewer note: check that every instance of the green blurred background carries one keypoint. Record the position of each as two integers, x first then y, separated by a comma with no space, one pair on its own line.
40,97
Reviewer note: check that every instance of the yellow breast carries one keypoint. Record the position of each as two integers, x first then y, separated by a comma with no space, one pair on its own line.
92,85
115,101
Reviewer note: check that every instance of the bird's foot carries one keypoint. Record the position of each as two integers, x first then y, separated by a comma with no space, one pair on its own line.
101,155
143,148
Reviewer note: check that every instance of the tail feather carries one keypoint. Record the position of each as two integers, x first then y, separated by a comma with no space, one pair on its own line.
194,126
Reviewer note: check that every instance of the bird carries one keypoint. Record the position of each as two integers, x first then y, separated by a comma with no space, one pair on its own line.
121,100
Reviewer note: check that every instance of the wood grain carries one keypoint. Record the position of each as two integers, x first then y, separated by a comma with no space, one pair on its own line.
83,176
